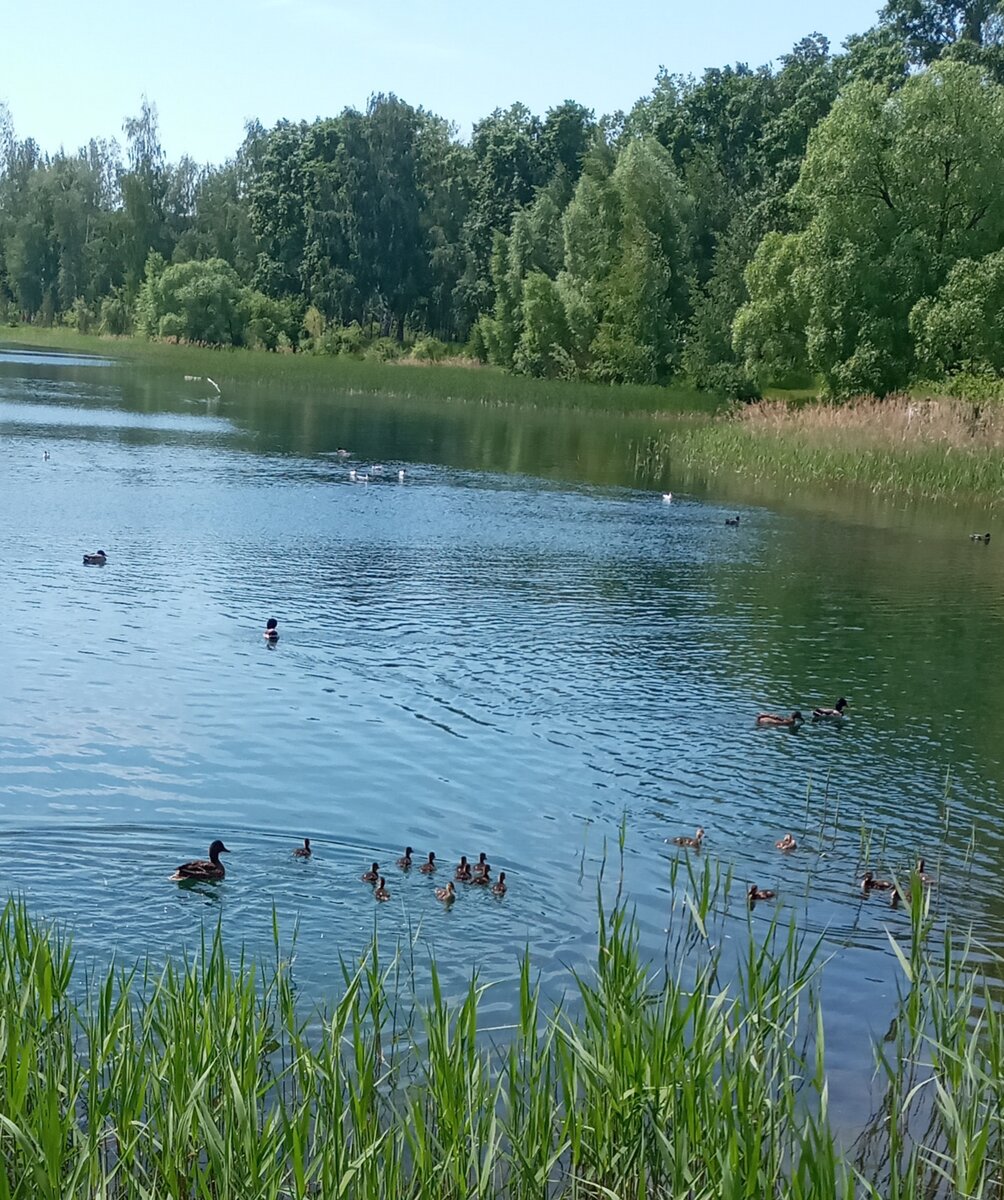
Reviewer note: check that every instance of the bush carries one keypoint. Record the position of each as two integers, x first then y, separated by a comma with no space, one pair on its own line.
115,316
430,349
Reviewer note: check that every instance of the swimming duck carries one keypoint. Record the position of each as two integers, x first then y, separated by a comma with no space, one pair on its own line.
499,888
870,884
202,868
979,537
482,865
787,843
372,875
733,521
836,713
380,891
898,895
447,894
303,851
271,633
482,878
694,842
755,894
773,721
342,452
463,872
404,862
921,875
667,497
427,868
97,559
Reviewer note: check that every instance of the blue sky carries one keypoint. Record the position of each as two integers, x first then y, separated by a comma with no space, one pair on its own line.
73,70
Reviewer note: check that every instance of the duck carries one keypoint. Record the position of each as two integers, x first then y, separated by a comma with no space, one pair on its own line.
342,452
498,887
303,851
482,866
786,843
463,872
482,878
870,884
836,713
380,891
733,521
980,537
204,868
667,497
754,894
773,721
922,875
404,862
429,867
400,475
899,895
447,894
372,875
97,559
694,842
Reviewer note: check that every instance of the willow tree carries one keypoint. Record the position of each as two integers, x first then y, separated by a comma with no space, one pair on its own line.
893,192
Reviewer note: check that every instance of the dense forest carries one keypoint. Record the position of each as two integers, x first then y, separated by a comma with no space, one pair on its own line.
837,217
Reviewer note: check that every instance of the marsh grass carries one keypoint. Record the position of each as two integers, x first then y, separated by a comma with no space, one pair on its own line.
897,446
206,1080
451,381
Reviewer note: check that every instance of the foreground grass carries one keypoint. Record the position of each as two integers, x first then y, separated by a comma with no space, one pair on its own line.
203,1081
406,380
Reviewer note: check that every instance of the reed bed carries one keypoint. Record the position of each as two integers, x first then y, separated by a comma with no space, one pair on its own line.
898,445
205,1079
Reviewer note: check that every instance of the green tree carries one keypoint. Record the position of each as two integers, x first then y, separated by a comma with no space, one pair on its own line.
963,325
194,301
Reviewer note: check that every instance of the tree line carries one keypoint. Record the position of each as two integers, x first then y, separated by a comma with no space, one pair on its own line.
836,217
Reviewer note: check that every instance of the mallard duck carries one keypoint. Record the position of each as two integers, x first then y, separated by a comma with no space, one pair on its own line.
404,862
787,843
836,713
921,874
482,865
694,842
481,878
428,868
870,884
754,894
380,891
499,888
979,537
204,868
97,559
733,521
447,894
303,851
898,895
773,721
463,871
372,875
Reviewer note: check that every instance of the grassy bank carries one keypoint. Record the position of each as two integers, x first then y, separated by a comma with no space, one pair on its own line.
899,446
404,379
204,1081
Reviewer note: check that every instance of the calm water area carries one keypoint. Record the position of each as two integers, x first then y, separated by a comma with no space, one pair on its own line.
513,650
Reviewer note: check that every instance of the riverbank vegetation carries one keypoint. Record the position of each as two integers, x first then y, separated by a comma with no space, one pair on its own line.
702,1078
834,216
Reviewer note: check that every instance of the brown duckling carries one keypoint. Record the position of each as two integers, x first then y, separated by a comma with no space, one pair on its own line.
693,842
922,875
786,843
482,865
447,894
428,868
372,875
380,891
870,884
499,888
754,894
203,868
773,721
463,871
482,878
303,851
404,862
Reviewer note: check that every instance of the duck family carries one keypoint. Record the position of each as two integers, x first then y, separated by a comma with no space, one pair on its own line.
211,870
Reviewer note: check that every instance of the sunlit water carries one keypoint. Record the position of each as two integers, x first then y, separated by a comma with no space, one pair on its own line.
514,650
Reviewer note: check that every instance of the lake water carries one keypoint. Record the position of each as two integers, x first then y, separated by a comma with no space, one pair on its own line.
514,650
